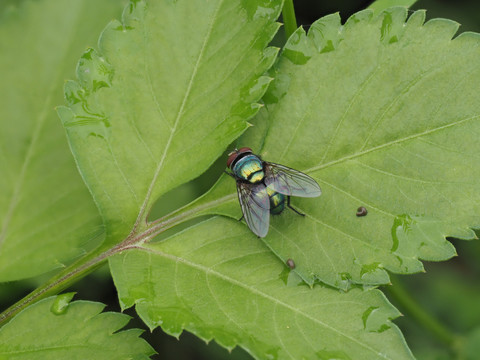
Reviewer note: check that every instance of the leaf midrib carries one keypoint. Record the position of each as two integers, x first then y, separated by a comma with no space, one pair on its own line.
38,128
254,291
142,213
388,144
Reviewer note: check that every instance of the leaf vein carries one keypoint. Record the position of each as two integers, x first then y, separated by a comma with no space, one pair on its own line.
344,115
377,122
277,334
177,120
257,292
33,143
406,178
391,143
361,201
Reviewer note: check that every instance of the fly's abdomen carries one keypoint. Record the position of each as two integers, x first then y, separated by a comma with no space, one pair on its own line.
277,201
249,168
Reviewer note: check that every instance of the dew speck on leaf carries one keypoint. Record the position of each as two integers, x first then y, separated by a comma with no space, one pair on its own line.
61,303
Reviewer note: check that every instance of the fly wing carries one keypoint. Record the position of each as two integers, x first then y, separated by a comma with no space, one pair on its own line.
255,205
290,182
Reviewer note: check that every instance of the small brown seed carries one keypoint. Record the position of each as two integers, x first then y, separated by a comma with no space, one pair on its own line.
362,211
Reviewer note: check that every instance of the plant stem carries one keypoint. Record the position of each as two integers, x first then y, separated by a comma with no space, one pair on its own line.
57,283
96,258
425,319
288,15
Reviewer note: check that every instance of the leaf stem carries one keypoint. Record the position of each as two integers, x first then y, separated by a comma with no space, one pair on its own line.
422,317
96,258
288,15
57,283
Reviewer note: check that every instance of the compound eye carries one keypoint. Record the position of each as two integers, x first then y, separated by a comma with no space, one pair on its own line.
234,154
231,157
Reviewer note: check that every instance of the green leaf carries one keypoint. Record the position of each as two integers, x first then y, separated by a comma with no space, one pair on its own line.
79,331
364,109
39,228
171,86
388,127
218,282
383,114
380,5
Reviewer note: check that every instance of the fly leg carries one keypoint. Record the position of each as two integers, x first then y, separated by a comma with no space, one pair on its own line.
291,207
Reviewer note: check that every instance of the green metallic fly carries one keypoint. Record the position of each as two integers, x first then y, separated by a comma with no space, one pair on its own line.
263,188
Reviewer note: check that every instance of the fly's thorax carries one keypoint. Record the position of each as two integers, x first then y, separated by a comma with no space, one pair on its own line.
277,201
249,168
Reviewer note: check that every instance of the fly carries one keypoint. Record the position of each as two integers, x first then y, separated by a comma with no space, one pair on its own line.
265,188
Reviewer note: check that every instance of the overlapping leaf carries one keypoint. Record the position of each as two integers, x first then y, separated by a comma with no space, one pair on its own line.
54,329
379,5
383,113
46,213
218,282
390,122
171,86
364,109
